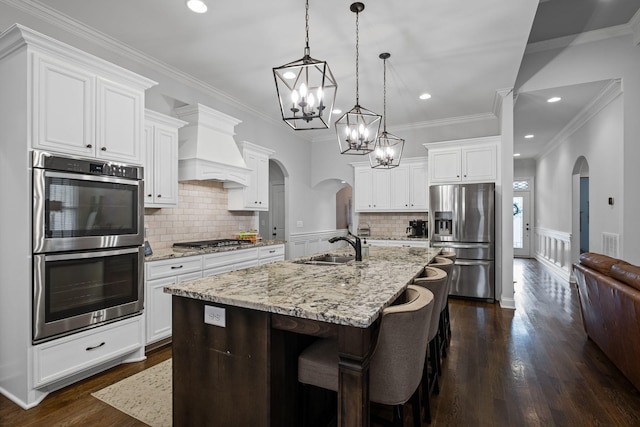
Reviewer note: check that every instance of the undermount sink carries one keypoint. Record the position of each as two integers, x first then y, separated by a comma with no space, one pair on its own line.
327,260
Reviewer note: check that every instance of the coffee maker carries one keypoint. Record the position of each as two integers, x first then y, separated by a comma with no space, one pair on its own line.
417,228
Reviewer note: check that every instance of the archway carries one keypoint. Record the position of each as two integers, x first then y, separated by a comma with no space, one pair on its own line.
580,208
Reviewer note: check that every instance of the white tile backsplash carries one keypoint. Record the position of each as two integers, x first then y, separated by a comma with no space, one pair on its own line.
201,214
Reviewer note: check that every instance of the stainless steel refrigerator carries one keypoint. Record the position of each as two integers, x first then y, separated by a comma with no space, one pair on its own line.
462,220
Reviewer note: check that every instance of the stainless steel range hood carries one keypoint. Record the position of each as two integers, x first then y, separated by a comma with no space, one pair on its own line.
207,149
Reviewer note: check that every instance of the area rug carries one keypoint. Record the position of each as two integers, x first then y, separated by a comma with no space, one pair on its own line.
145,396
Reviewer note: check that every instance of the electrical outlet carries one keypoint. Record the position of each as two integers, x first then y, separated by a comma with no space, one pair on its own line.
215,316
299,224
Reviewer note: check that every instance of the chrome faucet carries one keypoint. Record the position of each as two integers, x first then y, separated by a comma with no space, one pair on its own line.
356,244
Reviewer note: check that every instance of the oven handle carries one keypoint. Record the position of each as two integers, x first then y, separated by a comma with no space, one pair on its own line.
94,178
100,254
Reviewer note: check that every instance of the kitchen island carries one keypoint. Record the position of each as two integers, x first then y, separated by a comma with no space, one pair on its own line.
243,371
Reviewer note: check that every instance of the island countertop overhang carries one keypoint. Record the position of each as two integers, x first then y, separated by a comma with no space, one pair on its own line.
350,294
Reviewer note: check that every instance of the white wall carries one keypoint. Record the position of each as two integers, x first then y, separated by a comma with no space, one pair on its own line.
600,141
524,168
610,140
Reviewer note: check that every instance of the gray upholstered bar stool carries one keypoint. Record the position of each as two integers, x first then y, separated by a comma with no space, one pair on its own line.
435,280
447,265
396,362
447,318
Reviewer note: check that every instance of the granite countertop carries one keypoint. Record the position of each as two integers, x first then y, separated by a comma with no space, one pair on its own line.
170,253
352,294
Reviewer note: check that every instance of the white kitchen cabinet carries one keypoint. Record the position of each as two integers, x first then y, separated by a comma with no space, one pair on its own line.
161,160
473,160
270,254
58,359
157,303
80,111
403,188
49,100
372,189
223,262
255,196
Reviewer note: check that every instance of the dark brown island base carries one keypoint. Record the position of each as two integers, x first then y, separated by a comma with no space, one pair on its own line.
237,336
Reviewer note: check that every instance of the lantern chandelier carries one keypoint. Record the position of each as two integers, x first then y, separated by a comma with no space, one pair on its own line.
357,129
388,147
306,89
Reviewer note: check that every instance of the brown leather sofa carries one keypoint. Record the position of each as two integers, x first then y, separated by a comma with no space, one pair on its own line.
609,291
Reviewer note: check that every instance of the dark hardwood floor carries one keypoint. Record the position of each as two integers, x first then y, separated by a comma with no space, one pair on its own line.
530,367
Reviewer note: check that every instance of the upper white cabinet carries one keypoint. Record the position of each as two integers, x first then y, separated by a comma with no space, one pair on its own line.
399,189
80,109
161,160
255,196
470,160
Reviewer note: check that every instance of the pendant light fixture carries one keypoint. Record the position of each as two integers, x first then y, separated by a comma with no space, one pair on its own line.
358,128
388,147
306,89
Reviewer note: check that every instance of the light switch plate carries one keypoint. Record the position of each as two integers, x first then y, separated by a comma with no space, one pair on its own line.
299,224
215,316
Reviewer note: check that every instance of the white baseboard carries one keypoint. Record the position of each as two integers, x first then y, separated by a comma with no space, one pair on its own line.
554,269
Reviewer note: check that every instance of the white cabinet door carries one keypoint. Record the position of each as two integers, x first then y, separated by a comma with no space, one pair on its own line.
362,189
161,160
380,191
418,188
158,309
400,188
255,196
149,165
479,164
63,113
119,122
165,169
444,165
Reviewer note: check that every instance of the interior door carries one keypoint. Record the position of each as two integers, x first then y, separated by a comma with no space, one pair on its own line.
277,211
521,224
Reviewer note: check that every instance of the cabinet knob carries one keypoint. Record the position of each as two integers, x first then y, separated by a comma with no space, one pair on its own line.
465,175
457,176
89,146
104,148
159,195
149,195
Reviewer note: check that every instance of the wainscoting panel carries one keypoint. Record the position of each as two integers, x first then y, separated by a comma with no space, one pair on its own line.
553,248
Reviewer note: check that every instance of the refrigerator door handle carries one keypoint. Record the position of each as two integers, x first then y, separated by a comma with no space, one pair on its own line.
471,262
454,245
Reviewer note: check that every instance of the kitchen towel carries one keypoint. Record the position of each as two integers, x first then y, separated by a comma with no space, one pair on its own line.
145,396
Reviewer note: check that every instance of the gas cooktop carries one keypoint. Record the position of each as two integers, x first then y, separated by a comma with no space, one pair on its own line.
203,244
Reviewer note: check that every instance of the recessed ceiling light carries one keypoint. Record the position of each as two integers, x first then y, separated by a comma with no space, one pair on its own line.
529,136
197,6
554,99
336,111
516,154
425,96
289,75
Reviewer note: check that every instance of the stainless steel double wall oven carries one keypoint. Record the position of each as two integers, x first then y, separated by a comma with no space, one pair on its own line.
88,234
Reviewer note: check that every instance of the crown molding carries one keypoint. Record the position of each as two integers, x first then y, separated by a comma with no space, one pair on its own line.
635,25
604,98
582,38
41,11
449,121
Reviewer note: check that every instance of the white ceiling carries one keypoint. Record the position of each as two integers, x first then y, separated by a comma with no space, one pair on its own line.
460,51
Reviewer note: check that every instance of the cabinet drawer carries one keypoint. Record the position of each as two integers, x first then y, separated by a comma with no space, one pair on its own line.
173,267
271,251
220,259
69,355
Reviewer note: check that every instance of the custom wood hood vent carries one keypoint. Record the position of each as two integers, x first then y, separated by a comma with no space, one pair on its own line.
207,149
